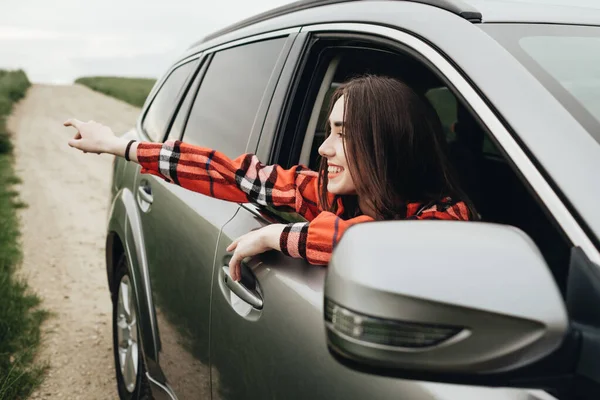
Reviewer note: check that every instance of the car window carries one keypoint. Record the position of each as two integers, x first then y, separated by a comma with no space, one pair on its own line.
487,176
445,104
176,131
224,111
159,113
441,98
321,129
564,59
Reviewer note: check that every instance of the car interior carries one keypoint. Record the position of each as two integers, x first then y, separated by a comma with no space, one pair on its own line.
499,193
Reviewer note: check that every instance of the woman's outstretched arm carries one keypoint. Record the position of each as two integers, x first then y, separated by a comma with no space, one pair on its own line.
208,171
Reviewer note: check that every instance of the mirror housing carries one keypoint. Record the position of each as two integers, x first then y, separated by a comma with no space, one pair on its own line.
442,298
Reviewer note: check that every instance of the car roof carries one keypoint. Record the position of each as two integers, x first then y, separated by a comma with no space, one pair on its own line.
454,6
576,12
573,12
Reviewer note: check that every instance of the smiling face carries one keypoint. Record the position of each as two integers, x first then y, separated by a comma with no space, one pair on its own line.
339,180
394,144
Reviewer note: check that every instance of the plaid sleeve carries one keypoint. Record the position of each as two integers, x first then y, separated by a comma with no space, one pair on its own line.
315,240
445,210
244,179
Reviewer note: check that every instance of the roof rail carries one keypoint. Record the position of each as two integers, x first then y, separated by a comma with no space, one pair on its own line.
454,6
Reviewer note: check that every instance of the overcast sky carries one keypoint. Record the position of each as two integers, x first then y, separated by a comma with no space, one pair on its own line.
58,41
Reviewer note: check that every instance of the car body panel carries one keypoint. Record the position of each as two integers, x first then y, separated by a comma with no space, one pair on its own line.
176,236
180,235
124,227
280,352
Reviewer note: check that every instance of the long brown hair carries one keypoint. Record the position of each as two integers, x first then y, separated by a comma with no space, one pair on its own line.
395,147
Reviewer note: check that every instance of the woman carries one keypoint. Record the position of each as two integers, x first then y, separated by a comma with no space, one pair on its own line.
384,158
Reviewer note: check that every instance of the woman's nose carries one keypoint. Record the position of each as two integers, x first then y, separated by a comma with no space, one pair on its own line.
326,149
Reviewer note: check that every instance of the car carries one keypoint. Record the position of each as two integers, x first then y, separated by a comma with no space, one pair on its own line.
506,308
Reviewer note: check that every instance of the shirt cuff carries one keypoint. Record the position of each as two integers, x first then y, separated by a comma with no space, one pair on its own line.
293,240
159,159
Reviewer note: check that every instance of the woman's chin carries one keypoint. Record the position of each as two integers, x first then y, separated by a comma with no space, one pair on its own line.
340,190
333,189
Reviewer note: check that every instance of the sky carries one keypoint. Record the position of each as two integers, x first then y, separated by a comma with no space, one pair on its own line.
58,41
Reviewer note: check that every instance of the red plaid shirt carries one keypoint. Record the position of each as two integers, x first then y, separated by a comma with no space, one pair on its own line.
246,179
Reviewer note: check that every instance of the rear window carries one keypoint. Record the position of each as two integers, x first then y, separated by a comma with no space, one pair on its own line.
224,111
565,59
159,113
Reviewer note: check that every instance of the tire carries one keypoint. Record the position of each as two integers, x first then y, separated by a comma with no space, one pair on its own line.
134,385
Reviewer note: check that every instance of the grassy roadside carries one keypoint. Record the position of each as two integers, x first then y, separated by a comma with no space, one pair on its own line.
131,90
20,316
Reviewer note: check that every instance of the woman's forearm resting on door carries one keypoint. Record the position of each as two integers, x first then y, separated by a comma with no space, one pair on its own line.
315,240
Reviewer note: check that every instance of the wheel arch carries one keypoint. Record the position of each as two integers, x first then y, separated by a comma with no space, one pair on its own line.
125,238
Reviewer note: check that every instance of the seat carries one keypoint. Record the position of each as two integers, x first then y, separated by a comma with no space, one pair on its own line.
465,154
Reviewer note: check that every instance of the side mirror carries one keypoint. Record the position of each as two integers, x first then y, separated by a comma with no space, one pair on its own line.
441,301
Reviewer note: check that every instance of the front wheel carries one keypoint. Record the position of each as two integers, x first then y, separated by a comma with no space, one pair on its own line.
132,383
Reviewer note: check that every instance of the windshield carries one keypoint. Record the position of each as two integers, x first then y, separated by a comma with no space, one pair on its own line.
565,59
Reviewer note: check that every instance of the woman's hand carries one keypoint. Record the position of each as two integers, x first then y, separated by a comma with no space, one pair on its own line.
93,137
251,244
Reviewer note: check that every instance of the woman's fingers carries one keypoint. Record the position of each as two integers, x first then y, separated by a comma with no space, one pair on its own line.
75,123
75,143
235,261
235,267
248,245
233,245
91,136
237,241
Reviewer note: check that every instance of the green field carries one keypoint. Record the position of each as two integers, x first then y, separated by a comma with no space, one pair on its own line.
20,316
131,90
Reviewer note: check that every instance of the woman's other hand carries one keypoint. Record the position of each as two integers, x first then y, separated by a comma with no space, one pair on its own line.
93,137
251,244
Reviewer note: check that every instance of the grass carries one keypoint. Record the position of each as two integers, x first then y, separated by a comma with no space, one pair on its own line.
131,90
20,314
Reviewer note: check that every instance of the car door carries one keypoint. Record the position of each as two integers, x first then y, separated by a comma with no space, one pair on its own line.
221,109
267,333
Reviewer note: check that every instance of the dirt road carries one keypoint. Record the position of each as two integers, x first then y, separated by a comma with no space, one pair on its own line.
63,234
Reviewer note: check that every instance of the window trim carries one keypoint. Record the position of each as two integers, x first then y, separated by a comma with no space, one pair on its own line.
311,127
156,89
255,38
292,35
289,36
504,139
203,55
200,72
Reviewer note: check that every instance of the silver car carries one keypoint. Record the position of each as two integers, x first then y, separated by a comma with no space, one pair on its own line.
503,309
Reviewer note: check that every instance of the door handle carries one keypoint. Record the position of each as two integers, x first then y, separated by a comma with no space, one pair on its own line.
250,296
145,193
